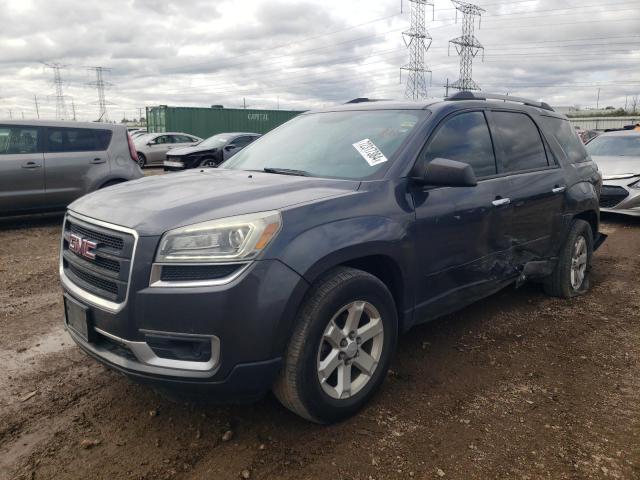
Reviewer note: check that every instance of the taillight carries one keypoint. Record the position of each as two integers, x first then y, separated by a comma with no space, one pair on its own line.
132,149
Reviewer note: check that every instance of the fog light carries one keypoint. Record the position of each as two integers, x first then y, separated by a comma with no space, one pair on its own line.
180,348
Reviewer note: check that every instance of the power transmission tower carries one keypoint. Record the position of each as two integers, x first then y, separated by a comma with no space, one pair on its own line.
418,41
100,84
73,109
467,45
61,108
35,98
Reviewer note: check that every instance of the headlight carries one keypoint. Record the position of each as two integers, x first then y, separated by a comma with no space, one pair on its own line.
227,239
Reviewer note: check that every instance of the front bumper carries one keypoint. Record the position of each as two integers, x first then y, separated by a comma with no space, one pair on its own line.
245,381
627,199
172,164
248,321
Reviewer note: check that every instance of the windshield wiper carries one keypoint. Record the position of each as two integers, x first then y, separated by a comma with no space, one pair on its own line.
286,171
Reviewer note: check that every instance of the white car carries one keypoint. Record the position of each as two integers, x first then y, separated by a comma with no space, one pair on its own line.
152,148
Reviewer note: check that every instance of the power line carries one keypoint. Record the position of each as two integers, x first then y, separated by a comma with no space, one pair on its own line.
418,41
100,85
61,108
467,45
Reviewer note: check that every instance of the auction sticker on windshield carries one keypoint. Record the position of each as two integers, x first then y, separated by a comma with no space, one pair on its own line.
370,152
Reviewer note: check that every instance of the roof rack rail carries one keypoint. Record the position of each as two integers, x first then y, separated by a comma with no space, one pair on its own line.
494,96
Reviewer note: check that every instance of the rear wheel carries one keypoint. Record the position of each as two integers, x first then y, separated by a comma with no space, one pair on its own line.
340,350
142,160
571,274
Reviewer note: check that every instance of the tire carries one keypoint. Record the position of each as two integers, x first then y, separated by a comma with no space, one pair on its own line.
142,160
319,339
576,253
208,162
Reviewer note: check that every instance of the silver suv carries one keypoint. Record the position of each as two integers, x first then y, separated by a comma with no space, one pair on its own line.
44,166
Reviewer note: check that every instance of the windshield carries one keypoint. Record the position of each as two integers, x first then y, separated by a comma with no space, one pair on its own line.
615,146
215,141
350,144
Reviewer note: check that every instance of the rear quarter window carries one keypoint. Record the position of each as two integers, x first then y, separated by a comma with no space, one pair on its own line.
567,137
78,139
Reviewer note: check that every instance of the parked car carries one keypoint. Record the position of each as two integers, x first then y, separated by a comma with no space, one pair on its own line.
138,133
152,148
210,152
44,166
296,264
618,156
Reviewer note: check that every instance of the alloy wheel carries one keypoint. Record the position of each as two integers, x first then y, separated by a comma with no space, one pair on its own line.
579,263
350,349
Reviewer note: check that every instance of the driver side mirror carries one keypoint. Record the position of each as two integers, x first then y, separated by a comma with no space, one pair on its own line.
231,146
446,173
150,143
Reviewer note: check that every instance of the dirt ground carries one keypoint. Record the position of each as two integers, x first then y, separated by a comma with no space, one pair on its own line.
516,386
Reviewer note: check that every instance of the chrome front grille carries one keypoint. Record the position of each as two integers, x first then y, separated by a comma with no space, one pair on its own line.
101,276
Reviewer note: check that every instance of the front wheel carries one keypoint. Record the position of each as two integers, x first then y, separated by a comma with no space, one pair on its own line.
340,349
142,160
208,162
571,274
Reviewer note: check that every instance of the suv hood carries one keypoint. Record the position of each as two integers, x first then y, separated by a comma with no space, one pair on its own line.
610,165
182,151
153,205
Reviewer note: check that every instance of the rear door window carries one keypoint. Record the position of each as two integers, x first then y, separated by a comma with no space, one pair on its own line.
15,140
567,137
77,139
520,140
465,138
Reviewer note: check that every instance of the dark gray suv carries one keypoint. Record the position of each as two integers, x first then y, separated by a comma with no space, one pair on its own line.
47,165
296,264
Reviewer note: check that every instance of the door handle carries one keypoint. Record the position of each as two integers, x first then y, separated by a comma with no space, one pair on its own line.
31,165
558,189
97,160
499,202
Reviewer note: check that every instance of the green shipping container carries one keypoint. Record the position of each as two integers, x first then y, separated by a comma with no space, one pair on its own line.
205,122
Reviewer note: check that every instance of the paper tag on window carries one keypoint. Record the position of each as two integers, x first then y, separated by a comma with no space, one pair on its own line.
370,152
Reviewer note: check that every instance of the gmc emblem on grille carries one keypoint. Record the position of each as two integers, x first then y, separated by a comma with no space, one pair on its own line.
82,246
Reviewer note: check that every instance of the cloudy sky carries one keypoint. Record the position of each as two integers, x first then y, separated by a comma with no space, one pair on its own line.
304,53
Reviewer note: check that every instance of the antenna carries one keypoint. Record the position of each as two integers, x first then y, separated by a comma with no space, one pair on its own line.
467,45
418,41
100,84
61,108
